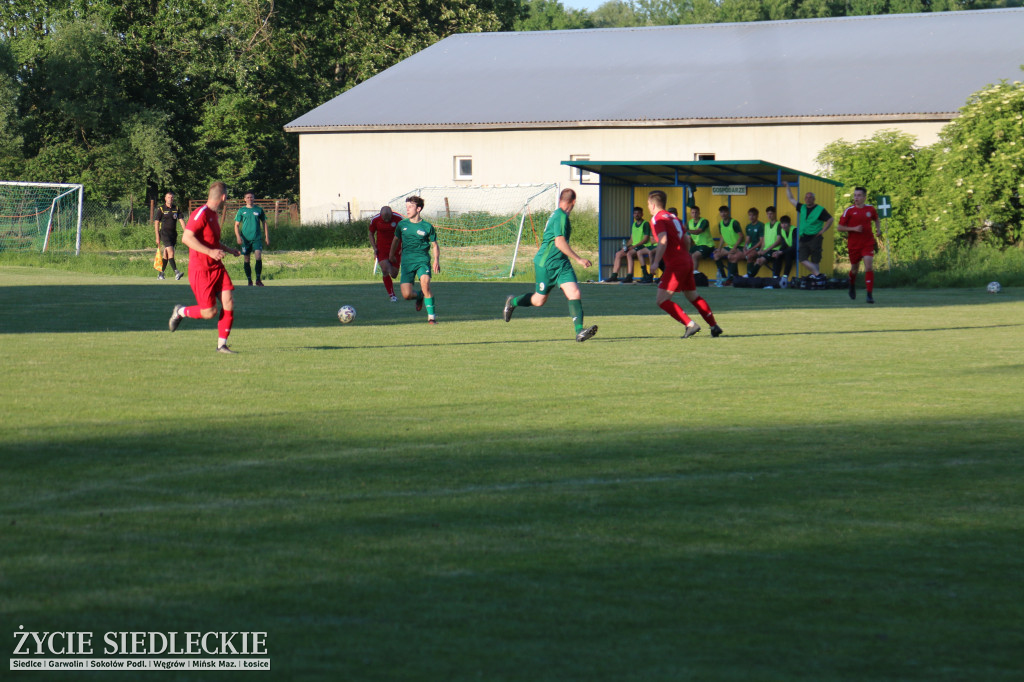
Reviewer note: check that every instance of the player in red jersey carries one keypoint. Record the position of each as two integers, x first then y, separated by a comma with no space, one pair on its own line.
382,234
674,249
206,272
856,223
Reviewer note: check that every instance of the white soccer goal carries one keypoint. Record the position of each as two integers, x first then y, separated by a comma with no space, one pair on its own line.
40,216
484,230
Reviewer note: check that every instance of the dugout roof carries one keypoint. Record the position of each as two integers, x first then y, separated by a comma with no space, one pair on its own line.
693,173
904,67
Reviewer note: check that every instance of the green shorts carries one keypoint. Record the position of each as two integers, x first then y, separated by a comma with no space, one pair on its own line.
553,276
250,245
412,271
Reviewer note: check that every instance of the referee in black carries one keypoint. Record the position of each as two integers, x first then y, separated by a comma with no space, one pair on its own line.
166,227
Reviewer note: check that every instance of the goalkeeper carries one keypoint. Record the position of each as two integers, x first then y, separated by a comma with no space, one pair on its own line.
552,268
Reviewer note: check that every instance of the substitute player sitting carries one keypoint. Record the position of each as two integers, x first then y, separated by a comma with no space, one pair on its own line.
552,268
678,273
856,223
382,235
206,272
416,239
636,249
731,249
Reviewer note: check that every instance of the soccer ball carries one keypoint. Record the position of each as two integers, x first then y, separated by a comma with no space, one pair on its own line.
346,314
994,288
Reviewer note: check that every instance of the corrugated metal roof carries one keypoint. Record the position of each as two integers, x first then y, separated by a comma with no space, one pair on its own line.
892,66
696,173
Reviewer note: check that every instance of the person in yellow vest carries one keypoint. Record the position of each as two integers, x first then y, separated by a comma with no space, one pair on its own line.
813,221
785,256
699,230
637,248
731,248
772,241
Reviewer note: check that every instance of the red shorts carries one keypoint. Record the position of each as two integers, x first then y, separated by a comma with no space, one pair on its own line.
858,250
677,278
207,285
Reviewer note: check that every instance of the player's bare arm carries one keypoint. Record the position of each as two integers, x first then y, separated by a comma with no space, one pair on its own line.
394,250
437,257
238,235
562,245
266,231
156,230
660,251
789,193
189,240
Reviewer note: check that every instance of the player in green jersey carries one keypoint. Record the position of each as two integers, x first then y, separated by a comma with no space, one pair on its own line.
552,268
417,239
248,220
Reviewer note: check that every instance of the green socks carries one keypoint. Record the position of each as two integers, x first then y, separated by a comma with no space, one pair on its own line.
524,301
576,311
430,306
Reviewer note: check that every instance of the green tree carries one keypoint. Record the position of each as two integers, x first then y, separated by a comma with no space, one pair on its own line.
551,15
616,13
889,162
977,181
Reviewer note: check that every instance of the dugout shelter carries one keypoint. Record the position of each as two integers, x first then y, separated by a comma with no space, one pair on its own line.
740,185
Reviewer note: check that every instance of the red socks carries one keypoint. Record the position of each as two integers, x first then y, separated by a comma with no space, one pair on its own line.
224,323
673,309
191,311
869,281
389,285
705,310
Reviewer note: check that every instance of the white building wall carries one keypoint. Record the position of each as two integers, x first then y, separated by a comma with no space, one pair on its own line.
362,171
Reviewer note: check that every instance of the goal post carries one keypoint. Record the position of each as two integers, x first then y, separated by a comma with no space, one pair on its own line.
484,231
41,216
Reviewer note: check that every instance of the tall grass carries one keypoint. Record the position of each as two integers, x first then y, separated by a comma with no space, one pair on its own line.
960,266
339,251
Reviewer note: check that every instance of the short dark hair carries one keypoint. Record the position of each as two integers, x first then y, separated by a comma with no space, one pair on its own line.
568,194
674,211
248,193
414,200
637,208
658,198
695,207
723,208
770,208
861,189
785,219
754,211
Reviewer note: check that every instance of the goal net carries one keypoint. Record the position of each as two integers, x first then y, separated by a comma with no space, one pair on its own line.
483,231
40,216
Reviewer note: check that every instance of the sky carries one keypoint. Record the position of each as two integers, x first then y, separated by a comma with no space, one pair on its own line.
589,5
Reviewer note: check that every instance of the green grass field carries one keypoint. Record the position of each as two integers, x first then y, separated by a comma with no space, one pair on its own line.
830,491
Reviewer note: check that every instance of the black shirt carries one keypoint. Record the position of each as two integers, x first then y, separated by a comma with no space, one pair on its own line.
168,218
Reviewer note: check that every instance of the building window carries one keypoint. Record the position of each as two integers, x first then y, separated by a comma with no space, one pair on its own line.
463,167
703,157
578,174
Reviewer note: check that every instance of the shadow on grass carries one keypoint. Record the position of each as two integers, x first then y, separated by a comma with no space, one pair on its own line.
533,554
146,306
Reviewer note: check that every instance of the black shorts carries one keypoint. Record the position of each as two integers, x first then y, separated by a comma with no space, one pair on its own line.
704,251
168,238
810,248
